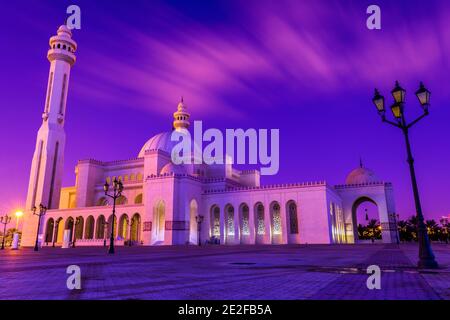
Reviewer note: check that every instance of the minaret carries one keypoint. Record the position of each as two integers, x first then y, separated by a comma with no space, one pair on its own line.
181,117
47,164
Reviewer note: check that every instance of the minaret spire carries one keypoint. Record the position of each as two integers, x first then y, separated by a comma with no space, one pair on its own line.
181,116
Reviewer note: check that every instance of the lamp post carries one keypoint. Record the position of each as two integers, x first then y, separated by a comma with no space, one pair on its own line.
117,192
41,213
426,256
199,220
4,220
131,229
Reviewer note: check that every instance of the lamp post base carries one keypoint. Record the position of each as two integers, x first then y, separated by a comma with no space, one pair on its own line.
427,264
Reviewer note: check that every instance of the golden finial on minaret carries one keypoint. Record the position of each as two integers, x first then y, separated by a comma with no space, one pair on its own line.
181,116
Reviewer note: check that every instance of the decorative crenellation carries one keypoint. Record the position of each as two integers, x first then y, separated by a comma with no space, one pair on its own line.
269,187
368,184
107,163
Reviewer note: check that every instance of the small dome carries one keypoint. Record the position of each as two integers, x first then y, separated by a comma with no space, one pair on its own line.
361,176
173,168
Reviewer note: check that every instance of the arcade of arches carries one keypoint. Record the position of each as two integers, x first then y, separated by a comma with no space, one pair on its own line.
94,228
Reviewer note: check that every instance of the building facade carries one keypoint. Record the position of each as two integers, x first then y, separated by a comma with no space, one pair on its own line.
161,200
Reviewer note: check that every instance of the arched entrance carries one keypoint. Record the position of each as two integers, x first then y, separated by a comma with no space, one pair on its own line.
49,230
229,224
244,223
366,220
260,227
79,226
276,228
215,221
193,227
89,231
60,233
100,227
69,226
159,220
123,227
135,228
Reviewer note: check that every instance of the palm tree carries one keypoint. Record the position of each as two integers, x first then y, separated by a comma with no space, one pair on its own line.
374,229
433,229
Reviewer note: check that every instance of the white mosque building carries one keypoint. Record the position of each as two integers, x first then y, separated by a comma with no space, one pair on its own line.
161,200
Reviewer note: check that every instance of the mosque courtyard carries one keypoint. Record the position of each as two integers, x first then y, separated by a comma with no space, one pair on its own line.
224,272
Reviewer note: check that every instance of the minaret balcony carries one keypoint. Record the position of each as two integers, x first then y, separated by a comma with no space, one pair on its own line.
45,116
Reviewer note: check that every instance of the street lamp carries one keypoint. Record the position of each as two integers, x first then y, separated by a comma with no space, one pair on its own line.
199,220
18,214
131,229
426,256
117,192
41,213
4,220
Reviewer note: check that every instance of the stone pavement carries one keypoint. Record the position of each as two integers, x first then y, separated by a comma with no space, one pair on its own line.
224,272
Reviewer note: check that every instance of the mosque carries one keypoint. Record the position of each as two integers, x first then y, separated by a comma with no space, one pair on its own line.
161,202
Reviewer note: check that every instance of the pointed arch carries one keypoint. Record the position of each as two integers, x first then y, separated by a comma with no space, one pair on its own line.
276,228
100,227
138,199
244,223
49,230
159,221
89,231
260,224
79,226
123,226
193,227
135,228
215,221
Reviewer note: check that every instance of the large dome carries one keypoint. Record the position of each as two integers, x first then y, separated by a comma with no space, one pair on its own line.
161,141
361,176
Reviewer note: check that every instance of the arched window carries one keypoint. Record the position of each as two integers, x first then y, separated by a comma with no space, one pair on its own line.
138,199
121,200
102,202
293,219
79,226
276,218
49,230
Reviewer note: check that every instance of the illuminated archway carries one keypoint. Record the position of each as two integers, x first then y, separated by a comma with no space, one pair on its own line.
193,228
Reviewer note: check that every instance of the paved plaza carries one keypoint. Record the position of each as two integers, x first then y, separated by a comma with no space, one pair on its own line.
224,272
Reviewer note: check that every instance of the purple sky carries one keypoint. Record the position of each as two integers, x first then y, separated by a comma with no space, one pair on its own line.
305,67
